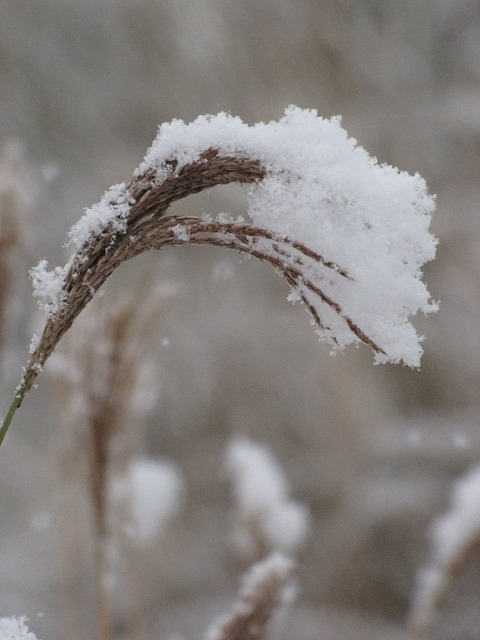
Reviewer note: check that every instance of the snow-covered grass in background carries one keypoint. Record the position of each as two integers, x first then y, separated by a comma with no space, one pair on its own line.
266,519
154,491
14,628
454,536
265,589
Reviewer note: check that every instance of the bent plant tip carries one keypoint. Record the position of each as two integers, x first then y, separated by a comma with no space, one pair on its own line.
349,236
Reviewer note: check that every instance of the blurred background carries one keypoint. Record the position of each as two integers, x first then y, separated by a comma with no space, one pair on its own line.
370,451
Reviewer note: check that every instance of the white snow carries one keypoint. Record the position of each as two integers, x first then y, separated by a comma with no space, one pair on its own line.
276,569
262,503
154,490
47,288
461,525
181,232
276,566
34,343
14,628
453,534
111,212
326,191
321,189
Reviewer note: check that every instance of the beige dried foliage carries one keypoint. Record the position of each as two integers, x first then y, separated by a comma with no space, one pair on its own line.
98,372
13,202
98,380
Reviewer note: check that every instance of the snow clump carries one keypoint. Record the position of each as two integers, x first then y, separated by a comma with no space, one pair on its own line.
324,190
14,628
265,516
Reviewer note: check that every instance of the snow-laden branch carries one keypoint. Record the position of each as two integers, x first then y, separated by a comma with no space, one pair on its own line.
349,235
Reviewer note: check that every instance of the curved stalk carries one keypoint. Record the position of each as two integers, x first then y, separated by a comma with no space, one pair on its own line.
147,227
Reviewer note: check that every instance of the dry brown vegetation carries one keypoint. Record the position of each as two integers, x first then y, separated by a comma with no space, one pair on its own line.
97,374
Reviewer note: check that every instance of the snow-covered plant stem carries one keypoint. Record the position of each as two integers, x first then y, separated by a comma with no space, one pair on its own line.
456,540
350,236
265,589
265,519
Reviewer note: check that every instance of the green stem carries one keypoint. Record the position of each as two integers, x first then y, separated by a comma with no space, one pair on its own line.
17,400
